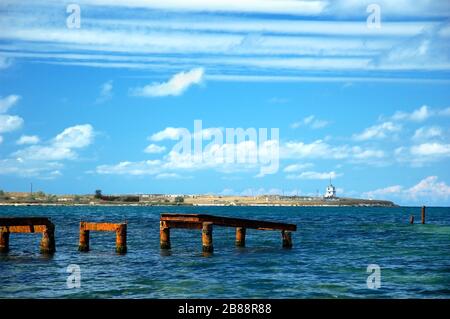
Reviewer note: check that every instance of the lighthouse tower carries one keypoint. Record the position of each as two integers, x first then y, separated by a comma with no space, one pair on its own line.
330,191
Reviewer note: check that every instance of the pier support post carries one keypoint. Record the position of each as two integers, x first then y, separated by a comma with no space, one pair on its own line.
240,236
207,239
411,219
84,239
423,214
287,239
164,235
47,245
121,239
4,242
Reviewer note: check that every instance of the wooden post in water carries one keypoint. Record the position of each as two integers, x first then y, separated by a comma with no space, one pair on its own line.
84,239
47,245
287,239
240,236
411,219
207,239
423,214
4,242
164,235
121,239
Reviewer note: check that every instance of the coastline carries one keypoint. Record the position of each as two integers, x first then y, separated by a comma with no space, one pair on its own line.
194,205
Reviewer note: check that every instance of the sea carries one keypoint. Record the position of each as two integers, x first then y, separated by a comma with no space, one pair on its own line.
338,252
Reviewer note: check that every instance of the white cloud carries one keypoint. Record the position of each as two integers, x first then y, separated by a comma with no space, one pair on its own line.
315,175
169,133
315,149
10,123
297,167
45,153
77,136
28,168
131,168
169,176
402,8
364,154
61,147
377,131
28,139
249,6
418,115
428,189
310,121
321,150
7,102
382,192
105,92
154,149
425,133
177,85
431,150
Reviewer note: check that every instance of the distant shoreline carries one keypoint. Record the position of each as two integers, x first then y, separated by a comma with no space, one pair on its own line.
41,199
192,205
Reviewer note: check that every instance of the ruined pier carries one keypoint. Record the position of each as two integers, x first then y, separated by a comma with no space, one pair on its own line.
119,228
41,225
206,223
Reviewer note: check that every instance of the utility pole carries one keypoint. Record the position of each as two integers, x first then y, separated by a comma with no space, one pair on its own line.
31,189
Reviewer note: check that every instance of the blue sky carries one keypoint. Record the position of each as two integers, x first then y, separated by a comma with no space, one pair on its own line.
101,106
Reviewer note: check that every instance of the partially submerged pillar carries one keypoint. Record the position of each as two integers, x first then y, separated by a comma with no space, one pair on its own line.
423,214
121,239
411,219
119,228
4,242
287,239
47,245
240,236
207,239
164,235
84,239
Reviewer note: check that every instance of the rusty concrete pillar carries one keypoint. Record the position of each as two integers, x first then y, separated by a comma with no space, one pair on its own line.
164,235
287,239
84,238
47,245
411,219
423,214
240,236
121,239
4,242
207,238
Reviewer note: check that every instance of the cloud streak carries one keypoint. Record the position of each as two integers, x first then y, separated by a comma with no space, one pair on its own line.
176,85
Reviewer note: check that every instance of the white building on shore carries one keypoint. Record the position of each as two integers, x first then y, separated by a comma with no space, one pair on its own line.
330,191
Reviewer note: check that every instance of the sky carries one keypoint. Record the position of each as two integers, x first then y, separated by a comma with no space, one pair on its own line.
110,95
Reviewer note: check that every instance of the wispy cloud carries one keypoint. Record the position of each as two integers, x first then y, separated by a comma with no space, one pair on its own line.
310,121
426,133
28,139
7,102
319,42
302,7
177,84
379,131
10,123
154,149
315,175
105,92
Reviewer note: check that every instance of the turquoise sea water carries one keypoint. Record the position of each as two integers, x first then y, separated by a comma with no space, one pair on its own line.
332,249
